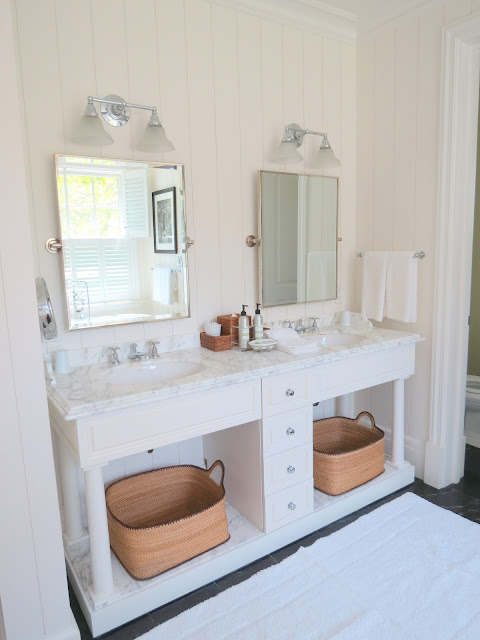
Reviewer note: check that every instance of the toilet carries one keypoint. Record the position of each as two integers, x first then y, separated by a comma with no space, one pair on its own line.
472,411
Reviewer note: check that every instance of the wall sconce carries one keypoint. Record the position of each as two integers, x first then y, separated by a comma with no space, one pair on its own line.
116,112
293,138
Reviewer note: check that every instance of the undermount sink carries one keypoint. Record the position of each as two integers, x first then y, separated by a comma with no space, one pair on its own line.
339,339
151,373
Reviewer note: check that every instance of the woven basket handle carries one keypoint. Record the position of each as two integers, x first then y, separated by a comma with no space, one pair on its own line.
369,415
216,464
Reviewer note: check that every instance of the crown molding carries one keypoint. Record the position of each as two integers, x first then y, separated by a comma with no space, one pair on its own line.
310,15
386,13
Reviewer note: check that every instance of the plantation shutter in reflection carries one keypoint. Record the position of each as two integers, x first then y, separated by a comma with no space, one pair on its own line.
136,203
116,269
105,266
86,265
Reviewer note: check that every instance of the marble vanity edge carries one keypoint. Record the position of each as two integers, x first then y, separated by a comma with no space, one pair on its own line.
226,378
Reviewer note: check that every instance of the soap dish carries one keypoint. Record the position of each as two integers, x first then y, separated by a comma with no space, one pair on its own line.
265,344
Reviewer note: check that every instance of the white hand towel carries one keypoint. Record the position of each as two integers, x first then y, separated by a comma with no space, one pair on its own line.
299,350
401,286
290,342
283,335
162,290
374,281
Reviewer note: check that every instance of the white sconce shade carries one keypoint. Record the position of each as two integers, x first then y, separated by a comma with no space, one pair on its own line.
116,112
154,137
293,138
325,158
90,131
287,153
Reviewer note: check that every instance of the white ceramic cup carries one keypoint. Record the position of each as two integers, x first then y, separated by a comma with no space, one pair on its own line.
213,328
345,318
62,364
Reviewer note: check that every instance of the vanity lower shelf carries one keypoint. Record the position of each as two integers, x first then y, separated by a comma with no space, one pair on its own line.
247,543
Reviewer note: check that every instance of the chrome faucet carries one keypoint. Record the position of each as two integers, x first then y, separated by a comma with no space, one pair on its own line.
314,326
136,355
154,351
114,359
300,328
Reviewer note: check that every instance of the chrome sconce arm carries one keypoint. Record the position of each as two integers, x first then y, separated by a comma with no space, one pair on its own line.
115,111
292,139
294,133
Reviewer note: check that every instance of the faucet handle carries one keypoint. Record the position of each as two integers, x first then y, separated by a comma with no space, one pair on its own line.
154,351
114,355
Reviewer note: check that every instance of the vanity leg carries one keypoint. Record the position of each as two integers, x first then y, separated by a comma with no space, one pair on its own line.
98,530
71,496
398,423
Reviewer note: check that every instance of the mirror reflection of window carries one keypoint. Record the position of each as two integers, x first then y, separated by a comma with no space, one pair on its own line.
112,273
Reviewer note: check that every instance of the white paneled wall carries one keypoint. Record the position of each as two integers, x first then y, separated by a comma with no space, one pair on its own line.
398,98
226,83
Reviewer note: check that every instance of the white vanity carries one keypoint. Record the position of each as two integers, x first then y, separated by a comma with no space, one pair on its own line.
254,411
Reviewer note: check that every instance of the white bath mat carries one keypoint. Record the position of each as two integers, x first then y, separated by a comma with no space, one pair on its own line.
408,570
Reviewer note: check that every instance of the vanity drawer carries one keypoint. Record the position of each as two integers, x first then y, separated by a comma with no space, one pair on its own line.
288,505
282,393
288,468
287,430
156,424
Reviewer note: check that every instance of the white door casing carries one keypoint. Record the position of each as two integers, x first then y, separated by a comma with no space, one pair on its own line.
445,449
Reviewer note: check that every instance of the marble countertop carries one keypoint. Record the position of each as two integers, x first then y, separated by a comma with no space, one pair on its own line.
89,390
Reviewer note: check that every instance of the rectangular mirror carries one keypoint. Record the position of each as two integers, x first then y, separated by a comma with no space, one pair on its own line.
298,231
124,240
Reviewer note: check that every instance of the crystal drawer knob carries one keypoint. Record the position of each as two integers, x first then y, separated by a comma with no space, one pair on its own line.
290,392
292,506
290,431
290,469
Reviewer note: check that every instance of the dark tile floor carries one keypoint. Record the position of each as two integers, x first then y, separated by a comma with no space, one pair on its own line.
462,498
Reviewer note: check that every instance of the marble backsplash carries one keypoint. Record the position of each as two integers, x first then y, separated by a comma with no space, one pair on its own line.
166,344
97,355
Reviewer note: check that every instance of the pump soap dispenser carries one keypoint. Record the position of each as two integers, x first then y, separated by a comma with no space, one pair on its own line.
257,324
243,329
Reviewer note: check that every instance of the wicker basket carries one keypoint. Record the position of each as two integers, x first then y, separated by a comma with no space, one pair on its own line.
346,453
215,343
160,519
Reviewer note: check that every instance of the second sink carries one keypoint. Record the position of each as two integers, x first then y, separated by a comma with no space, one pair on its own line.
339,339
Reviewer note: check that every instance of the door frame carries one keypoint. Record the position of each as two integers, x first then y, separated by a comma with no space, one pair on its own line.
445,448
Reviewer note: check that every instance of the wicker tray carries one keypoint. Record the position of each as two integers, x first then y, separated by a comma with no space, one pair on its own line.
346,453
160,519
215,343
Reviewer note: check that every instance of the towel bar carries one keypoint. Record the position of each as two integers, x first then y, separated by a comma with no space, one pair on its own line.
417,254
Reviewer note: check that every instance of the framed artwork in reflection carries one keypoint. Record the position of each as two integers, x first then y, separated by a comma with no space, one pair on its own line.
164,220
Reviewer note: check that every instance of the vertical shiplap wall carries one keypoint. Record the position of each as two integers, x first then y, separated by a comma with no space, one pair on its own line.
226,83
398,98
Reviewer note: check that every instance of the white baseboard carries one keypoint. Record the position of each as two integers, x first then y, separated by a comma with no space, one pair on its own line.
473,439
434,465
71,633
